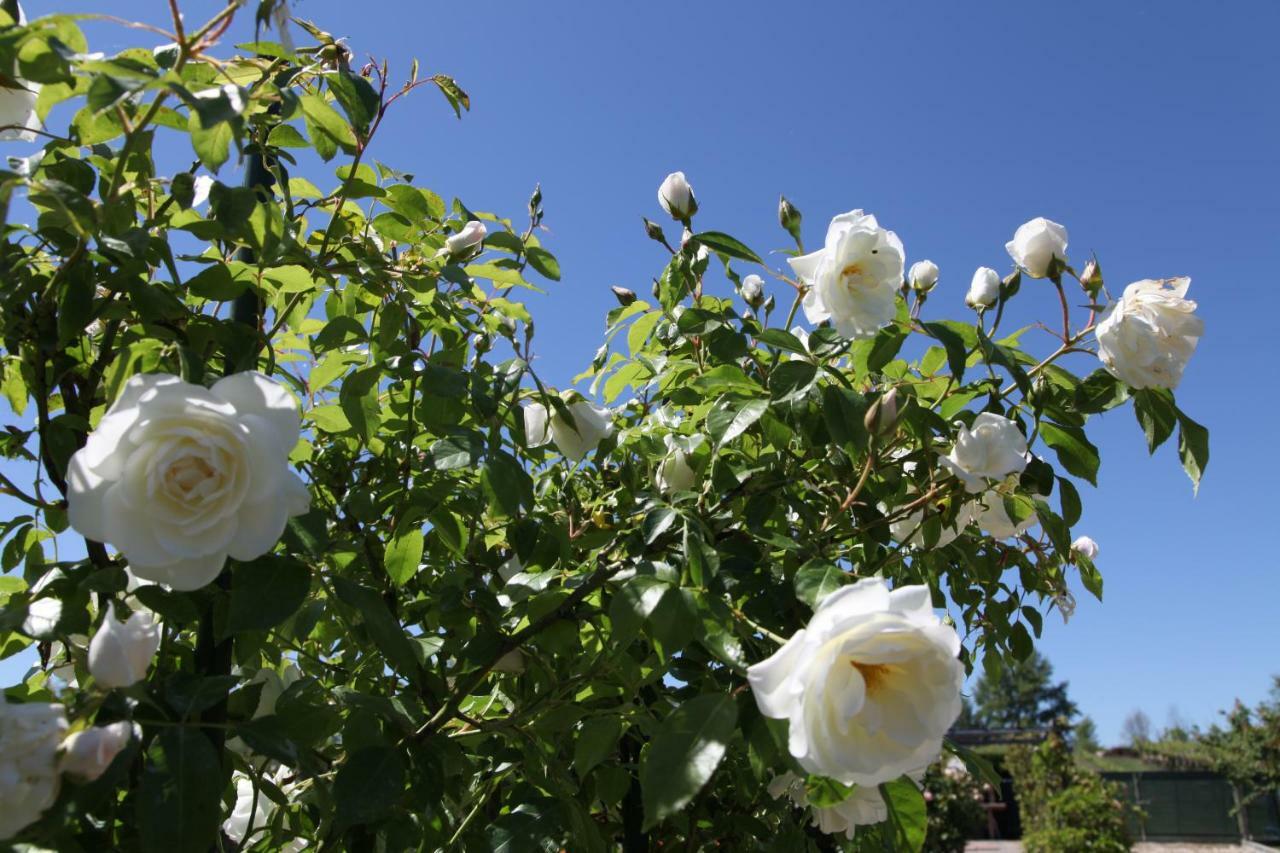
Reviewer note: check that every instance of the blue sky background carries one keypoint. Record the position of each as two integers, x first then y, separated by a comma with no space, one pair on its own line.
1149,129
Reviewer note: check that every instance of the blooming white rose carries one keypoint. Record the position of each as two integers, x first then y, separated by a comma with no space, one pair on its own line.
121,652
179,477
29,780
42,617
854,278
753,290
676,196
591,425
992,448
1035,244
1146,338
674,473
1085,547
87,754
984,289
467,241
869,687
923,275
991,515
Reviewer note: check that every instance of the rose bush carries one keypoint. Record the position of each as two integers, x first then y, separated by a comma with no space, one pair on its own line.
390,588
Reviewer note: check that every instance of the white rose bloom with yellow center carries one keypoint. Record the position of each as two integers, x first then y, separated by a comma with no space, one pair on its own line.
869,687
854,278
179,477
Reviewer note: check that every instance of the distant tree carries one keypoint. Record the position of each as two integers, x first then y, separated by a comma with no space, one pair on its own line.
1137,728
1022,695
1247,751
1085,736
1176,727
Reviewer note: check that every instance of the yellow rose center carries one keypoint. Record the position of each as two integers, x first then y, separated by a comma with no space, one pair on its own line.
187,474
874,675
853,276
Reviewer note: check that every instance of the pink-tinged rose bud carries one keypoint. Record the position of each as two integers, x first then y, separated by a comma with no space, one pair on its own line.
87,754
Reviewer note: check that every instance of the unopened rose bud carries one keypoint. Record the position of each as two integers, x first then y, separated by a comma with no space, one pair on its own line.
753,290
676,197
923,276
769,305
656,289
882,416
654,231
1085,547
624,296
984,290
121,652
466,242
1091,278
482,344
87,754
789,217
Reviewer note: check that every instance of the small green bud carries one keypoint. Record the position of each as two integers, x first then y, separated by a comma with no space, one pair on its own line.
882,416
654,231
789,217
1091,278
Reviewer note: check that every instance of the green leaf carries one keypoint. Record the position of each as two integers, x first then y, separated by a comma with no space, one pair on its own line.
726,245
404,555
458,99
212,145
368,785
265,592
1076,453
544,262
1156,415
506,483
1100,391
885,346
1089,575
955,341
844,412
684,754
215,282
383,628
357,96
791,380
596,741
977,765
782,340
179,803
817,579
1193,448
328,130
908,816
731,418
657,522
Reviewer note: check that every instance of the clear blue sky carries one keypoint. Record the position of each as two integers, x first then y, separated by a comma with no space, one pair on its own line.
1149,129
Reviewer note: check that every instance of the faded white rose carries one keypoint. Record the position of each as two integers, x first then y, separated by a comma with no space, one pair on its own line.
1147,336
252,812
863,807
992,448
753,290
676,196
984,289
179,477
853,279
87,754
591,425
29,737
923,276
992,516
869,687
1035,244
121,652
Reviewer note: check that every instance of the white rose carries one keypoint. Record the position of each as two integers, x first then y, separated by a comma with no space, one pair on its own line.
1146,338
984,289
467,241
753,290
1085,547
179,477
42,617
854,278
591,425
1035,244
200,190
991,516
676,196
909,530
674,473
992,448
87,754
29,781
252,812
923,275
18,105
121,652
863,807
869,688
